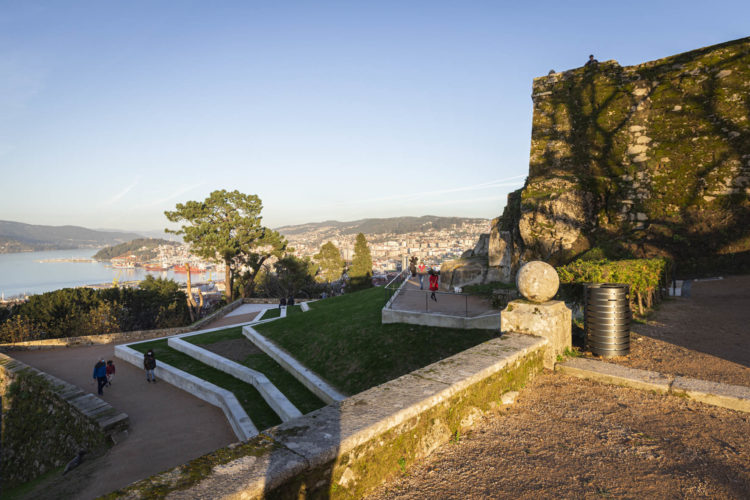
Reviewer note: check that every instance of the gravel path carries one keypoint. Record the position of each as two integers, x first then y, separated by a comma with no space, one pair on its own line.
572,438
705,335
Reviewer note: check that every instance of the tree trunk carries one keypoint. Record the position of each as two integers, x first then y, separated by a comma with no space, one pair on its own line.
228,281
640,303
190,299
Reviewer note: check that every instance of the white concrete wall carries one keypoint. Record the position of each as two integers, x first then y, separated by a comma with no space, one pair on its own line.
273,396
486,322
239,420
306,376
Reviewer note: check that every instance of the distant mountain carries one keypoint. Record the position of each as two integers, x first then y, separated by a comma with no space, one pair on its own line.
395,225
20,237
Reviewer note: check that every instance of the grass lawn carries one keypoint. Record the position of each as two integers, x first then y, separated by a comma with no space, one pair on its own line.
298,394
343,340
271,313
256,407
290,311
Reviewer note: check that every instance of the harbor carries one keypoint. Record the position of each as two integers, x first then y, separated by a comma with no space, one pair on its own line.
29,273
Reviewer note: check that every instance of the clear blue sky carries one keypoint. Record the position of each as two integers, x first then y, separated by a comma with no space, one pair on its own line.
112,112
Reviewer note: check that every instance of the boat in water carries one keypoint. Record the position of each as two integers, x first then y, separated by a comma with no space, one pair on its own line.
183,269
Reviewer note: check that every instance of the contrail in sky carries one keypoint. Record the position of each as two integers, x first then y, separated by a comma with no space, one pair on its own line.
179,192
122,193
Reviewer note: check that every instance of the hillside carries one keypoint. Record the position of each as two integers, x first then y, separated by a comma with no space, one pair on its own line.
393,225
141,247
20,237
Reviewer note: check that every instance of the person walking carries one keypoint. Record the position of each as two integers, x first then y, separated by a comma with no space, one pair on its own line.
100,374
149,364
282,303
413,266
110,372
433,284
421,271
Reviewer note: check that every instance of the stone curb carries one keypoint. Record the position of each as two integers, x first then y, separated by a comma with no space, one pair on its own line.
307,377
273,396
734,397
360,423
238,419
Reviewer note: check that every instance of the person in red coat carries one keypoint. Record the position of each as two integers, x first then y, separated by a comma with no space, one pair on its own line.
110,372
433,284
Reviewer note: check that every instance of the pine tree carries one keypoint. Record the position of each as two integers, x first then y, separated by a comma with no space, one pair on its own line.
331,262
360,273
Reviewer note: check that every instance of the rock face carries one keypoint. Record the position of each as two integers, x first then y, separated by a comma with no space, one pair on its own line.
637,161
646,160
537,281
489,261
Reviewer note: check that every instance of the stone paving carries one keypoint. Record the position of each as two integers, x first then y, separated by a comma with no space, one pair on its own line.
411,298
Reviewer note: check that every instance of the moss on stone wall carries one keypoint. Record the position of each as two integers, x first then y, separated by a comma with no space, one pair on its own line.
352,474
355,473
662,149
40,431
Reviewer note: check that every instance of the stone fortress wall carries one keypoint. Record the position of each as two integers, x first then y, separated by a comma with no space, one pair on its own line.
646,160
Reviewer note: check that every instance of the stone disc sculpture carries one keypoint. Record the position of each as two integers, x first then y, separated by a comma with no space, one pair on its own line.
537,281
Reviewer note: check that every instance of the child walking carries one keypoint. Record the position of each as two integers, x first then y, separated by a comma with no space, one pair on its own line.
110,372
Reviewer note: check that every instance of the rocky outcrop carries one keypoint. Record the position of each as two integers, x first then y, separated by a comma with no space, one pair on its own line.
645,160
637,161
490,260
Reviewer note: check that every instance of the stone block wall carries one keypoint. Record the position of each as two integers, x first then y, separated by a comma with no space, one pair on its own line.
652,159
46,421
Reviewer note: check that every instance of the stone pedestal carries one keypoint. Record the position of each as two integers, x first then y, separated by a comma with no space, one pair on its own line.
551,320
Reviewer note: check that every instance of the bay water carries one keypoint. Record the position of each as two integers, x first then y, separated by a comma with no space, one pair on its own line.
27,273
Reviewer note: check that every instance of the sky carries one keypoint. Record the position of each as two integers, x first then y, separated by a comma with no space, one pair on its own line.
113,112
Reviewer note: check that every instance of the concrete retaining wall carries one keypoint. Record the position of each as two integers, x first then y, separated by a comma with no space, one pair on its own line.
345,450
46,421
486,322
241,424
273,396
307,377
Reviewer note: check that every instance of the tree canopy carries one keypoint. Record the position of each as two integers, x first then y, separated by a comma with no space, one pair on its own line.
226,227
360,273
330,261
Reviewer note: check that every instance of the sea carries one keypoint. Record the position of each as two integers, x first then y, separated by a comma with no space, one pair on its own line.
30,273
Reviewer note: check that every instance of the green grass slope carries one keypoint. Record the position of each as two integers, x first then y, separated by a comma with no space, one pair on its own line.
342,339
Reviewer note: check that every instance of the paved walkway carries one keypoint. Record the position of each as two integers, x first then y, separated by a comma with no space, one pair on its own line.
411,298
243,314
168,426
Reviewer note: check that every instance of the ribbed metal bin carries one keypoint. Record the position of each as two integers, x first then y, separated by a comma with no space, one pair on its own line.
607,319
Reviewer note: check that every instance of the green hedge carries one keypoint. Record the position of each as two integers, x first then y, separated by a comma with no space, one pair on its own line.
646,277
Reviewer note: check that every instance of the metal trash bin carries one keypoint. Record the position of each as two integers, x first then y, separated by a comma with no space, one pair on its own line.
607,319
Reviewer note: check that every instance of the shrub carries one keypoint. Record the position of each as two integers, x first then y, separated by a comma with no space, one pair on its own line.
646,277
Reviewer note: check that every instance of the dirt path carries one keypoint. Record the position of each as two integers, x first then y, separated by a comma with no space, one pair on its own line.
705,335
167,426
571,438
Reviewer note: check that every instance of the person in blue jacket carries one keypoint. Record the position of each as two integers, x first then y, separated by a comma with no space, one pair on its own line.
100,374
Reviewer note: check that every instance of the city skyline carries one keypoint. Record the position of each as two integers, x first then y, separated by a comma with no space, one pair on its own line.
111,114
